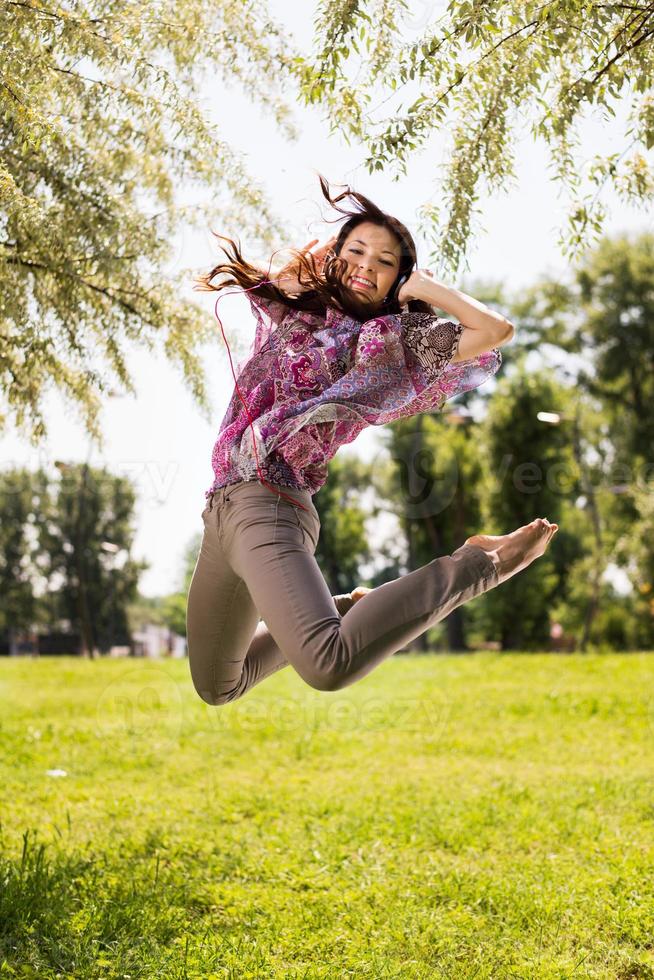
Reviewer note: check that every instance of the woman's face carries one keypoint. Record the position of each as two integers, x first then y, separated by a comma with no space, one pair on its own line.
373,256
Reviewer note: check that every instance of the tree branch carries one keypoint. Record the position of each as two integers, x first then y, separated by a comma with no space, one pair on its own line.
89,285
613,40
55,15
624,51
620,6
472,66
12,93
84,78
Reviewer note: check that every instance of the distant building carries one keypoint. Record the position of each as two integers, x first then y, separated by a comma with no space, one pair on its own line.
153,640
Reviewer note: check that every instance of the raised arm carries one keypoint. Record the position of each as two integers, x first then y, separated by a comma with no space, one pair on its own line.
483,329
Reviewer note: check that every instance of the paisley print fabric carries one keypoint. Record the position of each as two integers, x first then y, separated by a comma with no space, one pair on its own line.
312,383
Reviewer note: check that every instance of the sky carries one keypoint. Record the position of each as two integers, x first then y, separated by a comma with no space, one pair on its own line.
159,439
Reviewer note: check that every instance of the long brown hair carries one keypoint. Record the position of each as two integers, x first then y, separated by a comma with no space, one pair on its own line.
326,288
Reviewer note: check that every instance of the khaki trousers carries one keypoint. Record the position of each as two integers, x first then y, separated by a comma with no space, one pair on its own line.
256,562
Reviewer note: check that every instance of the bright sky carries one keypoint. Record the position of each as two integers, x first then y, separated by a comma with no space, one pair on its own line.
159,439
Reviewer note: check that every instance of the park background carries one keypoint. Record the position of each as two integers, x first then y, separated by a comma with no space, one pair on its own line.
485,815
159,440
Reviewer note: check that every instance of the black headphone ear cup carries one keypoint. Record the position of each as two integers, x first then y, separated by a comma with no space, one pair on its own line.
400,283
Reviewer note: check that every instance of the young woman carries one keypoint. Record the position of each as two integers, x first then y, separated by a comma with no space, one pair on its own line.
346,336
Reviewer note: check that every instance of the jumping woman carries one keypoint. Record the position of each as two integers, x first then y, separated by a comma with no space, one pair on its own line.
346,336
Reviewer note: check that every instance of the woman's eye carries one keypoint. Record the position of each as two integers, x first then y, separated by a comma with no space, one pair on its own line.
357,251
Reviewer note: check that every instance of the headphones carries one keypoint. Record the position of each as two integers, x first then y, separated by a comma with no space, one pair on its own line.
393,296
331,256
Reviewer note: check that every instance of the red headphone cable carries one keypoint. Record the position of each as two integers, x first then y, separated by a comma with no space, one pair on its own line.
254,445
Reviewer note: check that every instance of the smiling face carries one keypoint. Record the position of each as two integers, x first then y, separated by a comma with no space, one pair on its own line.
373,256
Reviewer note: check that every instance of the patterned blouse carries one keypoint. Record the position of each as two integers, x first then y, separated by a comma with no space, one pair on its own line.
309,391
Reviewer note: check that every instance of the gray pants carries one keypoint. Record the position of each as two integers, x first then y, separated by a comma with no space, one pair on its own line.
257,562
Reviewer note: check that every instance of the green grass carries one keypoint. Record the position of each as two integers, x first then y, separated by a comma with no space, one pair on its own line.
483,816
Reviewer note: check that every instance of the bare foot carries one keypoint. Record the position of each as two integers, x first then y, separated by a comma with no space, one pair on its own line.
346,601
514,551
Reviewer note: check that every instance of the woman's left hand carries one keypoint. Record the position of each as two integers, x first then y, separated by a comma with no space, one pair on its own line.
288,277
320,255
411,288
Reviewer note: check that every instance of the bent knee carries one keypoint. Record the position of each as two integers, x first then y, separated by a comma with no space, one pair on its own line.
216,698
325,671
329,680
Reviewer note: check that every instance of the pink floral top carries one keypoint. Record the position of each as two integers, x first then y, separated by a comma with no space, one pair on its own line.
309,391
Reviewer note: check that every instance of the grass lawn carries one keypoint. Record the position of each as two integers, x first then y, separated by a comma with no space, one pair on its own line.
483,816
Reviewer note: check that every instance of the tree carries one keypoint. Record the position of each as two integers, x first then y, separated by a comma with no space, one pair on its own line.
474,73
173,607
99,124
18,607
85,524
342,546
606,314
637,552
143,610
434,491
530,472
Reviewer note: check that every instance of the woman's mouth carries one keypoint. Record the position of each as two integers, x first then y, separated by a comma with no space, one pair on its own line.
360,282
